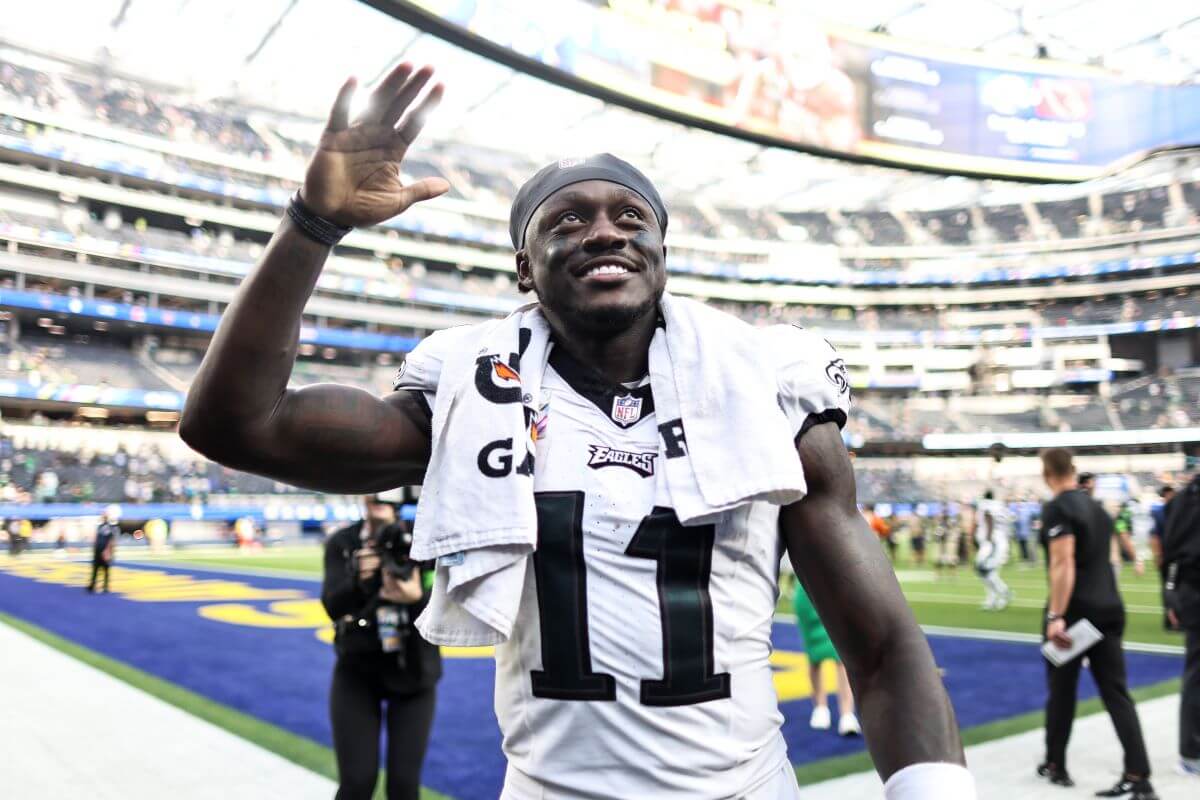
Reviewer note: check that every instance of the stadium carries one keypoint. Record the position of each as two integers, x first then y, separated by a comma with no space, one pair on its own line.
991,210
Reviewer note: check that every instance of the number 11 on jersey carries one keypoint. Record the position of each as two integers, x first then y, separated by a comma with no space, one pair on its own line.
684,560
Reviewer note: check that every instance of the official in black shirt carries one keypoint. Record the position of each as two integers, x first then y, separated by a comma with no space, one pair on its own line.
1179,559
384,668
104,547
1077,536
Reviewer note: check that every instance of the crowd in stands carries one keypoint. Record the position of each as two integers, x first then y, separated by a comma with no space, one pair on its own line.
147,474
77,359
492,177
896,481
1169,401
143,474
136,107
394,278
1098,310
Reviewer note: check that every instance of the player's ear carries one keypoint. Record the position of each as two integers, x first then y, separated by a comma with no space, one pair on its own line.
524,272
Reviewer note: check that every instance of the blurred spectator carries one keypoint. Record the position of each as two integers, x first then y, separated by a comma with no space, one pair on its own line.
104,547
882,529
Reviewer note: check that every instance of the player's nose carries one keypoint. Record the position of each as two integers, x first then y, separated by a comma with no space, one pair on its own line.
604,234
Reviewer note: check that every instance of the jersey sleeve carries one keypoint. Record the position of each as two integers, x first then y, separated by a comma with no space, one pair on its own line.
1055,523
421,370
811,378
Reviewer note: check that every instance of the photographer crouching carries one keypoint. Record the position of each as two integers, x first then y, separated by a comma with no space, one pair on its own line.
373,592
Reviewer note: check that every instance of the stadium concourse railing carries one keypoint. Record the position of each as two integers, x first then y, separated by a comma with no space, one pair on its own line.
165,400
270,510
284,519
945,442
782,259
381,342
384,290
793,292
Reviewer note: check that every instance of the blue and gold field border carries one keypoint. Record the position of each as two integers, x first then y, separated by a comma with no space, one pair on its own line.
250,653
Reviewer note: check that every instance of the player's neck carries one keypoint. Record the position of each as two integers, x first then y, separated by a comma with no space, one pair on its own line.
619,357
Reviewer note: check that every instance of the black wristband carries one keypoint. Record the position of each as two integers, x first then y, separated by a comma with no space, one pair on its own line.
315,227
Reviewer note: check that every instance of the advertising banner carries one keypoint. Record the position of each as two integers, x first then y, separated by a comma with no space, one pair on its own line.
773,70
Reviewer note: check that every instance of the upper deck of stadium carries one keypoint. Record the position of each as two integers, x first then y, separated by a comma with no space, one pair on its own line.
234,131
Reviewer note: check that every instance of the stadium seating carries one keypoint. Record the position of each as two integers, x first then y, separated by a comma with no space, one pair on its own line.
482,176
236,159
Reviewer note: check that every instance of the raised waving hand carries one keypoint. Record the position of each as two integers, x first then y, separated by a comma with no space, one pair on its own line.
354,177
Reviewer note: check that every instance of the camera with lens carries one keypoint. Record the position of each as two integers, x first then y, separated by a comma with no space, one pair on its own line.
394,544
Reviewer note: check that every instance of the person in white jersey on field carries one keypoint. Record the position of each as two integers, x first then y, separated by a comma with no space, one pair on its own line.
993,532
635,663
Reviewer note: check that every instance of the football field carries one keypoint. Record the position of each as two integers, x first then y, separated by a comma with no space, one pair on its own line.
239,639
939,597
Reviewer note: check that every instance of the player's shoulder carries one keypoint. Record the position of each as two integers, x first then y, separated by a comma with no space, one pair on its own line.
806,357
422,366
794,348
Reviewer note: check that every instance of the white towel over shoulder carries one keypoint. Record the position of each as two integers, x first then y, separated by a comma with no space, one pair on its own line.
729,398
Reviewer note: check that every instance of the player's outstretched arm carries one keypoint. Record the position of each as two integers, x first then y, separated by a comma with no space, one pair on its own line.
905,711
239,411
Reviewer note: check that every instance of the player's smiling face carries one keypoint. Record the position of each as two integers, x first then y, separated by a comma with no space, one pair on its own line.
594,255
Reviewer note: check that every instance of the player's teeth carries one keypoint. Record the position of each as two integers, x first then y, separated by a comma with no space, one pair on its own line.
608,269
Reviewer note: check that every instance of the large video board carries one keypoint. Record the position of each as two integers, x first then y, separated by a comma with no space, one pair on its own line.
760,68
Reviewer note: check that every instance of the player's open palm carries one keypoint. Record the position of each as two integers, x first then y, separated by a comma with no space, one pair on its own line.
354,177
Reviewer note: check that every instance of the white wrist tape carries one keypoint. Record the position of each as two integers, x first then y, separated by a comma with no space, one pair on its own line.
930,782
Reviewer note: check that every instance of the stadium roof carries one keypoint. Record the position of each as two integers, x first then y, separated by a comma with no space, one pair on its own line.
1156,40
291,55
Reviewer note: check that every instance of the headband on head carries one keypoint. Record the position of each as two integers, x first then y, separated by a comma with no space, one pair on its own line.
551,178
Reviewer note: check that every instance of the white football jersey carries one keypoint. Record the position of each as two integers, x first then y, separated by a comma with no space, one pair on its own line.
638,665
1003,522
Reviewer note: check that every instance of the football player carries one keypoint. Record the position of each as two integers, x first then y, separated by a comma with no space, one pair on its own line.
993,531
642,685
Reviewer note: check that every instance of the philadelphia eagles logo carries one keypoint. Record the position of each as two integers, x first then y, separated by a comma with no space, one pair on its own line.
836,372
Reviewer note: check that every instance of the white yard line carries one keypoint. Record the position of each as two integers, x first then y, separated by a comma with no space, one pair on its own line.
70,730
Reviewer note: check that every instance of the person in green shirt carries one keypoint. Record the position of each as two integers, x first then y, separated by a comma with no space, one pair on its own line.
819,649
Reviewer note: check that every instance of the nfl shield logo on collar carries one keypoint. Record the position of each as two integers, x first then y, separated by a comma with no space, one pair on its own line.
627,409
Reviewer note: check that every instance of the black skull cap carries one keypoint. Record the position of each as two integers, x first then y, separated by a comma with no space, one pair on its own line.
552,177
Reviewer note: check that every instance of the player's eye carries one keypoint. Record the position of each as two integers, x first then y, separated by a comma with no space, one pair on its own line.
631,213
569,218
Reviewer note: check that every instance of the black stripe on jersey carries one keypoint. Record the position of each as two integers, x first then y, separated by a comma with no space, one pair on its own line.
595,387
828,415
418,410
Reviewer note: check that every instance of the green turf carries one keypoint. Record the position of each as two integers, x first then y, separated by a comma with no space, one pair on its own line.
296,749
948,598
291,559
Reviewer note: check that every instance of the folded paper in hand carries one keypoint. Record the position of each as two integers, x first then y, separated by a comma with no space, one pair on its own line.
1083,636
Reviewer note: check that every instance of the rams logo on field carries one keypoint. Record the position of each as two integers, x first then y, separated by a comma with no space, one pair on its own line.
602,456
836,372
